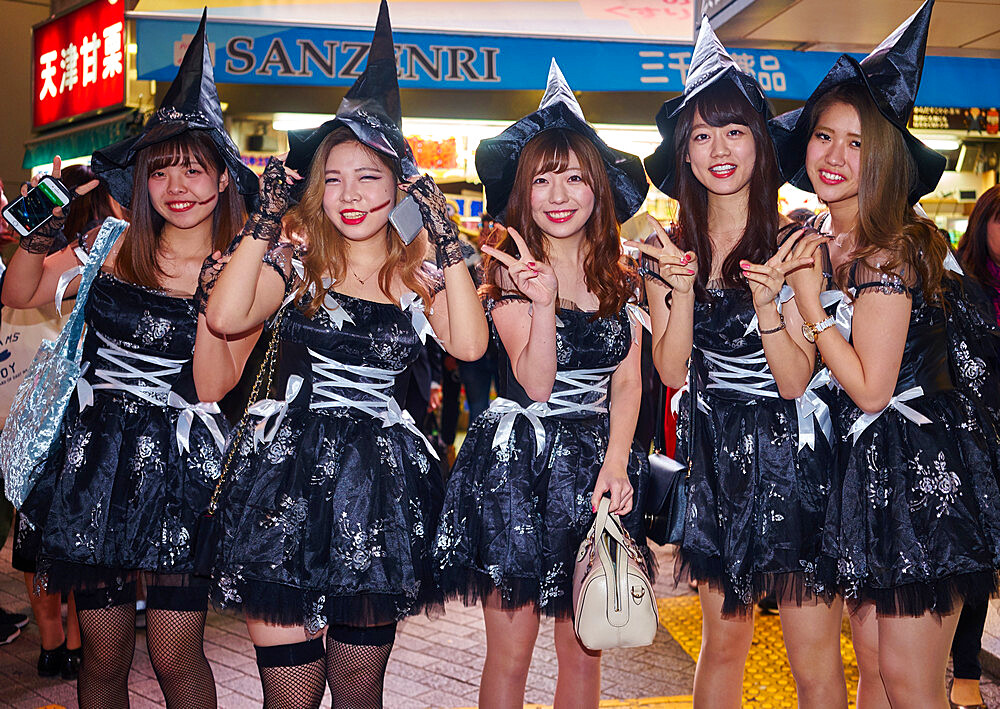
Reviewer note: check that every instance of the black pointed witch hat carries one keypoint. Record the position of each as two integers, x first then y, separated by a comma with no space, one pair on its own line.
710,64
496,158
191,103
891,73
370,108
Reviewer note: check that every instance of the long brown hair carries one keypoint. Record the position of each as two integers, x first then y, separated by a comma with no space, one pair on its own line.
888,230
973,248
137,260
607,274
327,249
719,105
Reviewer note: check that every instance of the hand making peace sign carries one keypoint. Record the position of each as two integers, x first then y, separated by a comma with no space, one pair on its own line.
766,280
676,269
534,279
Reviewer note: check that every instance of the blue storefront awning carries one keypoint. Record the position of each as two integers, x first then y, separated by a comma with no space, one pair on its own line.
306,55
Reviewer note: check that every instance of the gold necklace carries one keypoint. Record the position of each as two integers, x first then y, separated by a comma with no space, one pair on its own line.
362,280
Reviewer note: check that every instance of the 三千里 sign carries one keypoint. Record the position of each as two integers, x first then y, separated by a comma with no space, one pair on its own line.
78,62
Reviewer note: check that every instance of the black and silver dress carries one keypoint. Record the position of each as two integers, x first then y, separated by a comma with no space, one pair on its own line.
917,522
759,479
140,455
518,499
331,504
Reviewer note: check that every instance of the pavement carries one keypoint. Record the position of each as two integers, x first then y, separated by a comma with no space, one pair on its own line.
436,663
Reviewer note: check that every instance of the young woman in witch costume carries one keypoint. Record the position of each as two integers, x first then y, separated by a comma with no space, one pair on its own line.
140,454
534,466
333,498
915,528
756,503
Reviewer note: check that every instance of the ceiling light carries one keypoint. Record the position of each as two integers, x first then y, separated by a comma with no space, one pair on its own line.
942,143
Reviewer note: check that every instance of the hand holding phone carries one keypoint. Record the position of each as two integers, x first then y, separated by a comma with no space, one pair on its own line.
28,213
37,206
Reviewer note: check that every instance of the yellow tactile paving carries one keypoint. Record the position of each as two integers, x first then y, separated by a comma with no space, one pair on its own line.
683,702
648,703
767,682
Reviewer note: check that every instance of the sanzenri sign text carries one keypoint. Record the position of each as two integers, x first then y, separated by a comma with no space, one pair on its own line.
303,55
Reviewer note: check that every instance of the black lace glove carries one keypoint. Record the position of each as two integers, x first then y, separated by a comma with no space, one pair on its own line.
265,222
434,210
211,269
41,239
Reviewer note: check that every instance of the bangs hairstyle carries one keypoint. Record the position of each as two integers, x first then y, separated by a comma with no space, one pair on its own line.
327,248
607,273
889,237
973,248
137,260
720,105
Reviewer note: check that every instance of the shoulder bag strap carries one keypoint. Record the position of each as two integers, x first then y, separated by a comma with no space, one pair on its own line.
660,417
69,338
262,384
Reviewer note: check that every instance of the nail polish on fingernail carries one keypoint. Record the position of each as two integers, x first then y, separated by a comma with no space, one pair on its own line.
691,271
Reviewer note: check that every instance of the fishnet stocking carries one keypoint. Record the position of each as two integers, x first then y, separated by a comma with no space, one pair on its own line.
108,637
292,676
176,643
356,673
295,687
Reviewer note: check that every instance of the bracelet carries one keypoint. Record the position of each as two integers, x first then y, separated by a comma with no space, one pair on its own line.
775,329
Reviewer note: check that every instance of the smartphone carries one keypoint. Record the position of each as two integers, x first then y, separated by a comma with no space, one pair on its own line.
27,213
406,219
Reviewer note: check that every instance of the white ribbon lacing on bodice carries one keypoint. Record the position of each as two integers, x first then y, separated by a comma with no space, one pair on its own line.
332,386
123,371
748,374
569,399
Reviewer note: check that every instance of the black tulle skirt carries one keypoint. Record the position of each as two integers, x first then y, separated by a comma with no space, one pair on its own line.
331,522
119,496
757,505
917,524
513,518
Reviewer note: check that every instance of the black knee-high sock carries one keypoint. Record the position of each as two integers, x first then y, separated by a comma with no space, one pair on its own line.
108,636
292,676
356,659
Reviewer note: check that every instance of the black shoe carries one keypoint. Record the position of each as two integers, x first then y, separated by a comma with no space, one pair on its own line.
768,605
17,619
8,634
50,662
71,663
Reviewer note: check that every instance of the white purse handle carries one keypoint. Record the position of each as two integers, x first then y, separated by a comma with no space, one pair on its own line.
618,590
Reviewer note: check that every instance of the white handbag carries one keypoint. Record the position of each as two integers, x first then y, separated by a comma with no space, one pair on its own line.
613,599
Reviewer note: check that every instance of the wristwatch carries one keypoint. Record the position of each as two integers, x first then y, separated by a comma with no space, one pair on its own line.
811,330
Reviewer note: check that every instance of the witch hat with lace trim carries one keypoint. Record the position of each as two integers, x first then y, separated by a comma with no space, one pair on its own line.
891,74
191,103
710,64
496,158
370,109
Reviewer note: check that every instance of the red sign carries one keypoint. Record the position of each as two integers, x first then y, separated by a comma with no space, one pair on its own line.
78,61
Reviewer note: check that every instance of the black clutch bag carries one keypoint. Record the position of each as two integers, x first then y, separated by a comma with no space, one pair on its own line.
666,494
